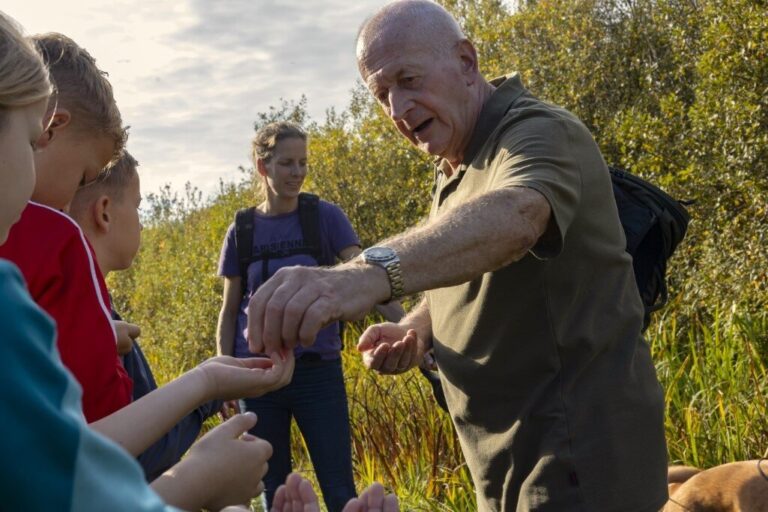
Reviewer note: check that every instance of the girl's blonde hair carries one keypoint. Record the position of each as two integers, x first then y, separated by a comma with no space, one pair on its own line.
23,75
266,139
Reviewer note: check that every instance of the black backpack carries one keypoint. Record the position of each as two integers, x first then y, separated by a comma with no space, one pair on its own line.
309,217
654,224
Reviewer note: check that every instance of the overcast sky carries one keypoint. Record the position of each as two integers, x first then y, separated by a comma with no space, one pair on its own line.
191,75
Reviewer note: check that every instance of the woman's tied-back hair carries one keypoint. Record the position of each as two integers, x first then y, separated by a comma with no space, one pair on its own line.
82,87
23,75
266,139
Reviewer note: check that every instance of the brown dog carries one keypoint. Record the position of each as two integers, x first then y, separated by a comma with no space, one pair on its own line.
678,475
735,487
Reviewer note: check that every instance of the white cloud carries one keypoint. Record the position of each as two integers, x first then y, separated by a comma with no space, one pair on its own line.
190,76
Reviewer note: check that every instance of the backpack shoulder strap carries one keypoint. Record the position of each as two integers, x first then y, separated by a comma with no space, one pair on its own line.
244,241
309,218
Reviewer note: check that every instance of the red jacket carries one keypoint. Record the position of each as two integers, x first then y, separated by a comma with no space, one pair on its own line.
64,279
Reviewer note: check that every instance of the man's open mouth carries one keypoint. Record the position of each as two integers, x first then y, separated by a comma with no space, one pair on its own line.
423,126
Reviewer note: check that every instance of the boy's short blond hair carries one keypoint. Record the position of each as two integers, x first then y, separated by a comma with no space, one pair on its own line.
112,182
82,87
23,75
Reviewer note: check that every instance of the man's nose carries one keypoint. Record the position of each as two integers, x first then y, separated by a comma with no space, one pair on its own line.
399,105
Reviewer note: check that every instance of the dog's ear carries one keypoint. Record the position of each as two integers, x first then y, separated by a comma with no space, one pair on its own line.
680,474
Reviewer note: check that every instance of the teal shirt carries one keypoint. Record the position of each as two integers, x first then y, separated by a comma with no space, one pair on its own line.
51,459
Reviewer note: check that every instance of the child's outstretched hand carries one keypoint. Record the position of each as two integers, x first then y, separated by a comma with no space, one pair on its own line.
126,334
230,378
373,499
295,495
224,467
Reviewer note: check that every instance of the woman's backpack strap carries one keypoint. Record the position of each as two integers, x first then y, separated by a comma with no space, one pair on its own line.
309,218
244,241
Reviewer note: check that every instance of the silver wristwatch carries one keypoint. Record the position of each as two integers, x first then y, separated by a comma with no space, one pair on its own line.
387,259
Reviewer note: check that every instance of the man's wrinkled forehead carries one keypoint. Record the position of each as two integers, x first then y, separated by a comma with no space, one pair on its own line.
388,53
376,56
373,45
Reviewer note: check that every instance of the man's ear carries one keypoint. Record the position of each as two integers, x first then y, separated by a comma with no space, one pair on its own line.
59,121
470,66
101,212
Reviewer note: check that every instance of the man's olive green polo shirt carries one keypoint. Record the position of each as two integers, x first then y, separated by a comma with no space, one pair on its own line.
549,383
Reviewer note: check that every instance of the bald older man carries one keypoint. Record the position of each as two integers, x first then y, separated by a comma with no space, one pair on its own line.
531,304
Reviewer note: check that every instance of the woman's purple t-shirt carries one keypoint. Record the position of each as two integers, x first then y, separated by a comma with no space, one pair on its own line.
280,232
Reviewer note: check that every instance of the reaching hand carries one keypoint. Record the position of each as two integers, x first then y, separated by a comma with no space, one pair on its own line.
126,334
228,463
295,303
295,495
373,499
230,378
390,348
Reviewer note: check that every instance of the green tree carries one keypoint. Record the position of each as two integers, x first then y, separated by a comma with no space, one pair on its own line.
359,161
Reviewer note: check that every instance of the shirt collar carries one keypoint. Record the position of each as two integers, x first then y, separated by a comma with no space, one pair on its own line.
508,89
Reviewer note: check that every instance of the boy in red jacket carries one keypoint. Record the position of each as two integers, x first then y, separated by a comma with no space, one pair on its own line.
56,260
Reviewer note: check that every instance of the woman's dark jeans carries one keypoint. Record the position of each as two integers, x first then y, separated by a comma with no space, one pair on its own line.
316,398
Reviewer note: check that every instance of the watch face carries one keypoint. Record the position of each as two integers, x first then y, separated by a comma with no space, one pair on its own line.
379,253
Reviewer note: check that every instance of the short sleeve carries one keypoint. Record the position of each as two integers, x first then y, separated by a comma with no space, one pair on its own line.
228,264
540,154
340,231
76,298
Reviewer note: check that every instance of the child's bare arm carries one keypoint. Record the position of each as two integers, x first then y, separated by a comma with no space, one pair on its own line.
223,377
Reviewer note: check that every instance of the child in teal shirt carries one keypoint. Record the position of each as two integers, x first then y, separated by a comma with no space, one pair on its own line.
52,458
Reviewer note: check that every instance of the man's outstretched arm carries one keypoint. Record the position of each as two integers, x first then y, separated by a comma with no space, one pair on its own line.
479,236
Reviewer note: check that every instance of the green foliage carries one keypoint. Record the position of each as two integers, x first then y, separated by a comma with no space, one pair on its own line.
362,164
674,90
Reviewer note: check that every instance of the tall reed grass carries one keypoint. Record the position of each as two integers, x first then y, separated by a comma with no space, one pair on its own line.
714,376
